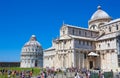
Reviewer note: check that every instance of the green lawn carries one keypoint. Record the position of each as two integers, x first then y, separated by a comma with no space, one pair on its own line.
36,71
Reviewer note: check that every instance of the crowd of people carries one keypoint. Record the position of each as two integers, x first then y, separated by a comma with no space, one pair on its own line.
79,73
83,73
16,74
25,73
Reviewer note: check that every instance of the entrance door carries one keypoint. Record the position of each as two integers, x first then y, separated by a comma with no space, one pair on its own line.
35,63
91,64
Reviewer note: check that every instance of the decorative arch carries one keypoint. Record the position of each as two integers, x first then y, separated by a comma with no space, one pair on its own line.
100,24
93,27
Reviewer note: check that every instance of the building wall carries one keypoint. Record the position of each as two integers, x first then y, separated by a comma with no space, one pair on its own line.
111,27
106,44
49,57
109,61
69,30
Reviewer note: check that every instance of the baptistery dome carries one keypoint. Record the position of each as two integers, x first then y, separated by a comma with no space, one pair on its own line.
32,53
33,42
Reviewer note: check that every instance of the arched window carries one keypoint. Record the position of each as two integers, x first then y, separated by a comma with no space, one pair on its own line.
79,41
91,34
99,45
85,33
32,61
63,32
28,49
79,32
108,44
83,42
36,49
93,27
64,42
32,49
73,31
116,27
109,29
100,25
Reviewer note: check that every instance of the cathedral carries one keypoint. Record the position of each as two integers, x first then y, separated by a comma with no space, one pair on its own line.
97,47
32,54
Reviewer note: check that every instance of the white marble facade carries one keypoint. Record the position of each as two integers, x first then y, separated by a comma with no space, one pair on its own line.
74,45
32,54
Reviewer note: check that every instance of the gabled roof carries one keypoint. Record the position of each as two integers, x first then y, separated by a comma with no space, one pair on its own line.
84,38
72,26
107,36
51,48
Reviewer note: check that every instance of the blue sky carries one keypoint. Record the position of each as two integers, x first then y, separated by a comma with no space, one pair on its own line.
19,19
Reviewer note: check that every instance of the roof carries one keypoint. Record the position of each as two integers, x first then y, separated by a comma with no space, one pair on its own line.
99,14
84,38
32,42
107,36
65,37
49,53
116,20
51,48
93,54
80,27
77,37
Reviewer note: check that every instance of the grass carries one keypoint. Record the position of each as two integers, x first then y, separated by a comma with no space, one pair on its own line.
36,71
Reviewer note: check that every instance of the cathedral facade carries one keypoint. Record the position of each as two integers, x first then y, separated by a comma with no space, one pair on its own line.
32,54
95,47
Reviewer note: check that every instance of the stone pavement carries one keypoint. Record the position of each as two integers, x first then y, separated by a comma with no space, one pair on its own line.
68,75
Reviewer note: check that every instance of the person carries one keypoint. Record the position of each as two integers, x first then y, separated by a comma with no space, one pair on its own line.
45,75
17,74
31,73
39,76
102,76
77,75
42,75
32,70
9,72
13,74
99,74
23,75
88,74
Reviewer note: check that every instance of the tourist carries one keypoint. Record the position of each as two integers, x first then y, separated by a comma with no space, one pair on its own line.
88,74
77,75
20,74
13,74
102,76
23,75
45,75
9,73
39,76
42,75
17,74
31,73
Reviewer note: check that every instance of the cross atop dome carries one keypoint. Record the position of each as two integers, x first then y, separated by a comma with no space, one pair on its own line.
33,38
99,7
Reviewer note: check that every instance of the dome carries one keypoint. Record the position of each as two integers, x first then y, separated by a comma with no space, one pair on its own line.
32,42
100,14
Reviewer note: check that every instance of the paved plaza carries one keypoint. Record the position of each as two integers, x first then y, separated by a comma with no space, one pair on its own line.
68,75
